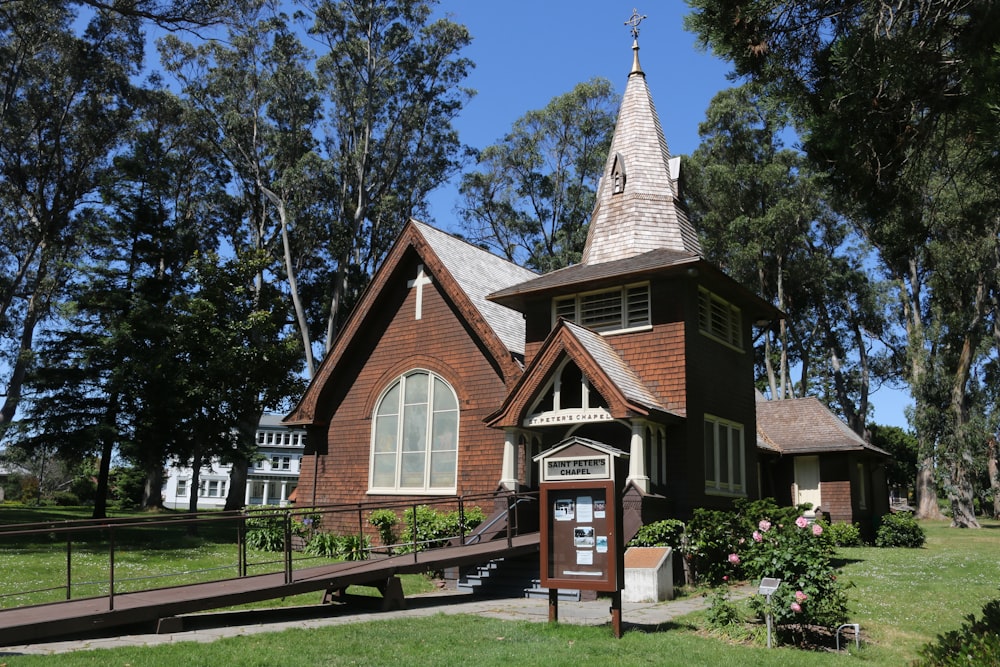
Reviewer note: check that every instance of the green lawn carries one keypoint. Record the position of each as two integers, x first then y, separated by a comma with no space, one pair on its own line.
902,598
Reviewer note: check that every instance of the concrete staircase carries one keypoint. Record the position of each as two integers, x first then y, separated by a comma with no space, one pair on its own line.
501,577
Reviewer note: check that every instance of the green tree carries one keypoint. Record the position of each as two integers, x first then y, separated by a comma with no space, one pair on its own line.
64,106
532,193
392,79
763,216
891,101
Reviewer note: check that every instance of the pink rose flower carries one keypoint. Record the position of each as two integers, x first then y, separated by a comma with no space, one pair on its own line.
796,607
802,522
817,529
764,526
734,559
800,596
757,537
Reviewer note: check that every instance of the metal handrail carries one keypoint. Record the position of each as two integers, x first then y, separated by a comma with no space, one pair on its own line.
113,526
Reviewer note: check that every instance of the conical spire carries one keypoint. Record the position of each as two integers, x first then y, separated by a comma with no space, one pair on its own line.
638,207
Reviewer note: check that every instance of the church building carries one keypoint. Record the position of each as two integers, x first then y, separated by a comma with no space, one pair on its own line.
457,367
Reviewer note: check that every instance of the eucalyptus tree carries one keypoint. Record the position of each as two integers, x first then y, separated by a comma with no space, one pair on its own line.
64,108
532,193
392,83
763,216
892,100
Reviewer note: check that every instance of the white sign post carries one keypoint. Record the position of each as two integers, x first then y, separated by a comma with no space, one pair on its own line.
768,585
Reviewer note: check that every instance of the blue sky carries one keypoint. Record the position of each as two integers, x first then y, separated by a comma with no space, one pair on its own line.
526,53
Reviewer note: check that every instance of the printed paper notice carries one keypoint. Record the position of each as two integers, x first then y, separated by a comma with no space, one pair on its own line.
602,544
564,509
583,537
584,557
600,509
584,509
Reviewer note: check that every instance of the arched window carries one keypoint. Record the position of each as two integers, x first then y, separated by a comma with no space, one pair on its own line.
415,436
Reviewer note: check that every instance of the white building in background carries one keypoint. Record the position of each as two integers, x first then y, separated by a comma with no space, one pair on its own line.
271,478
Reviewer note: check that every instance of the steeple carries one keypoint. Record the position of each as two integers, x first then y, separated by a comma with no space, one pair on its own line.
638,206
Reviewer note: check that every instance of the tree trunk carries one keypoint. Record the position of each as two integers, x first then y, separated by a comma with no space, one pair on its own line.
926,492
103,473
994,471
963,509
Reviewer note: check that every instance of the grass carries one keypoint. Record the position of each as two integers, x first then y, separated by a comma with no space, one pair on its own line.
902,598
33,568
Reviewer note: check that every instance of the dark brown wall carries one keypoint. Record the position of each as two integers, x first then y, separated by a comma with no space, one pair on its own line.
438,342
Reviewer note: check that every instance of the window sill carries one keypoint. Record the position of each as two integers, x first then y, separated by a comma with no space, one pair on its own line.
411,492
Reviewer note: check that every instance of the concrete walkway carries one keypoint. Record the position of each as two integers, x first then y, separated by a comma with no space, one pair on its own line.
209,627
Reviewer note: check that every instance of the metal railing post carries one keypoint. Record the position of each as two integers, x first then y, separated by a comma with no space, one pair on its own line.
288,547
414,533
461,518
241,546
69,566
111,567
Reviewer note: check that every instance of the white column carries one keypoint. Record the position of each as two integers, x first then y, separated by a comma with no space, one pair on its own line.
284,491
246,500
508,472
637,457
267,488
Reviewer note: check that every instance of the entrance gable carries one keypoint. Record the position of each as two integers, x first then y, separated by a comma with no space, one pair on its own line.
610,389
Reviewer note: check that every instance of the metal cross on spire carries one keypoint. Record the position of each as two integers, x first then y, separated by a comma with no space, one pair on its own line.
634,21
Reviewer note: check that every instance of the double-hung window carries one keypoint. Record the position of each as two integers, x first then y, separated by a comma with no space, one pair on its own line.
415,436
725,463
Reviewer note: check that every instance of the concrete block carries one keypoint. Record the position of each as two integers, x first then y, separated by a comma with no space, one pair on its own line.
649,574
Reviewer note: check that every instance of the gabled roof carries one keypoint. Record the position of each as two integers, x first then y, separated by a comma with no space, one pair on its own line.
606,371
464,274
638,206
806,426
478,273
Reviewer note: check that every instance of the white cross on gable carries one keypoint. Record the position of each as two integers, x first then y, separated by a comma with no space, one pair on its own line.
419,282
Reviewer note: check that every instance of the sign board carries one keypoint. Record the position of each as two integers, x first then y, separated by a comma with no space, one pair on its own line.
581,544
573,468
768,585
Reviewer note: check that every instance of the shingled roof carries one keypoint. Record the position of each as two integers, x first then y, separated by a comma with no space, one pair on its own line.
638,206
805,426
478,273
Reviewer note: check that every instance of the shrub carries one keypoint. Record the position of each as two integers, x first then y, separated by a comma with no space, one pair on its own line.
666,533
65,498
722,613
435,528
900,530
799,554
714,534
977,642
355,547
265,529
385,521
324,544
845,534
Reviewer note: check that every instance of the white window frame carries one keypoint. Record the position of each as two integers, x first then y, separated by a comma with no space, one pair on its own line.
725,457
383,436
632,303
720,320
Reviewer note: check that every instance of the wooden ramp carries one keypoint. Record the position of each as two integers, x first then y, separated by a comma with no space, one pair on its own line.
26,624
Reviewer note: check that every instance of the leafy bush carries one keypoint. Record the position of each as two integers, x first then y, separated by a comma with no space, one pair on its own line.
265,529
355,547
977,642
714,534
385,521
328,545
845,534
900,530
65,499
722,613
799,554
666,533
435,528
